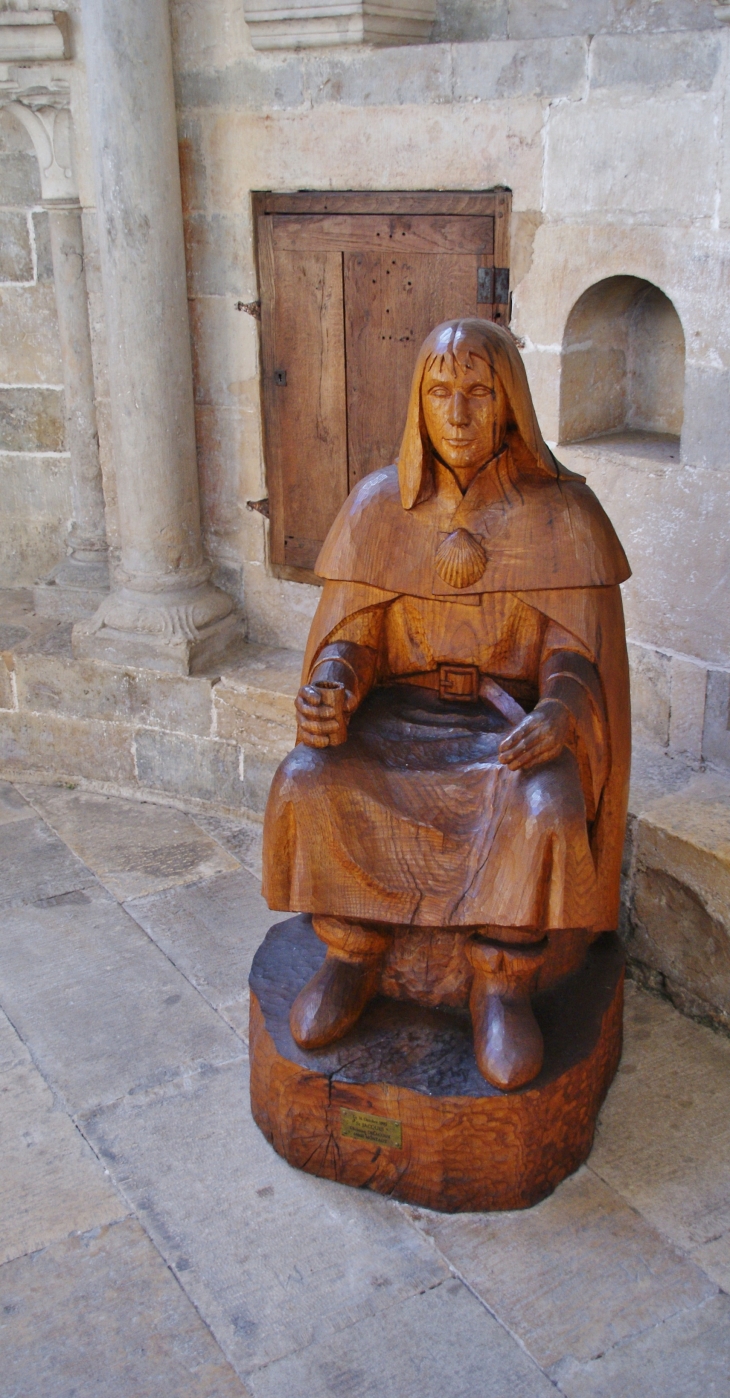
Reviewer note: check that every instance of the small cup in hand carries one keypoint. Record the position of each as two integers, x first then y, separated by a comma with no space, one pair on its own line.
333,695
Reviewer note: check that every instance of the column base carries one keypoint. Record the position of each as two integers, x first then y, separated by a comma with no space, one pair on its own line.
76,588
180,632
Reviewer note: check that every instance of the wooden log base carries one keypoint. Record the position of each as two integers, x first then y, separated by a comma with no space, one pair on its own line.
399,1106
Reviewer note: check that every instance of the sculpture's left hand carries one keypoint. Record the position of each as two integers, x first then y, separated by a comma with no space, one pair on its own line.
538,738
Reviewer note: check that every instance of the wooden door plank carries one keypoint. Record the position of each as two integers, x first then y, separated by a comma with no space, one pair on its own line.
392,301
305,403
374,202
434,233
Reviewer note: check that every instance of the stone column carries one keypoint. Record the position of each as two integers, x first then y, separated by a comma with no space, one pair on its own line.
80,583
163,612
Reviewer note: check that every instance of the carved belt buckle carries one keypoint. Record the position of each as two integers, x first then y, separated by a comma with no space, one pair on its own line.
459,682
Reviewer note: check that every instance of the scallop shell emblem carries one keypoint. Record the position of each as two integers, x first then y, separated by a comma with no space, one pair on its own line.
460,559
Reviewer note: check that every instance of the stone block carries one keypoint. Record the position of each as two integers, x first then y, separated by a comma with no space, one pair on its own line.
390,76
628,172
225,436
218,256
687,1354
529,68
689,688
258,774
16,258
663,62
102,1011
680,926
210,40
262,687
469,21
662,512
37,865
42,240
542,19
20,181
31,419
706,429
30,352
30,544
87,689
274,1259
664,1131
268,84
46,746
278,613
470,145
51,1183
616,1273
716,735
134,848
225,351
203,769
651,681
100,1314
210,932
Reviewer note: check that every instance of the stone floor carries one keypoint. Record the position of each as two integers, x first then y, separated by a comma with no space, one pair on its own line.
153,1244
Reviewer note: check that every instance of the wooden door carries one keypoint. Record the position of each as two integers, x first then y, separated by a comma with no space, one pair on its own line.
350,287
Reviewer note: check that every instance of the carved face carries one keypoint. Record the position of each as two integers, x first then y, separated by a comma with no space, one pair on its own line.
466,412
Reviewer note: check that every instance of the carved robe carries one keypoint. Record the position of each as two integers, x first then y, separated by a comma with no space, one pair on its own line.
414,821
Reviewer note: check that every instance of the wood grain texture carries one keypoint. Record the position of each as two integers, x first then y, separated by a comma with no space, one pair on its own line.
404,262
432,233
465,1145
304,397
380,202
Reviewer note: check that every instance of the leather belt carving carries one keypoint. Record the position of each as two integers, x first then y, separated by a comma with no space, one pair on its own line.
465,684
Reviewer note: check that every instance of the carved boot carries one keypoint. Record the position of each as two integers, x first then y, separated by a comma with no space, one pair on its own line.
333,1000
507,1040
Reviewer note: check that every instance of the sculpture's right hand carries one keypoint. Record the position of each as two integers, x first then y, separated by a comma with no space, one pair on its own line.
314,718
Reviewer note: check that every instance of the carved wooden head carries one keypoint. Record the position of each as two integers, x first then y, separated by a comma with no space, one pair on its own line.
468,386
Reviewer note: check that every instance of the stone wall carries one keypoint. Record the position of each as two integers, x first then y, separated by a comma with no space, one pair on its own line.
604,118
611,146
34,467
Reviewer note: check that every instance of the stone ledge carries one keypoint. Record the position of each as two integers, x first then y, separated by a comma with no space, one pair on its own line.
676,917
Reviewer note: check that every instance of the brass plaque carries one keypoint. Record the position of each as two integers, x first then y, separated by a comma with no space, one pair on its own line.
361,1126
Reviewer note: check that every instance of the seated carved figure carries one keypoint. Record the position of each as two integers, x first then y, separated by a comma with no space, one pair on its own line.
453,814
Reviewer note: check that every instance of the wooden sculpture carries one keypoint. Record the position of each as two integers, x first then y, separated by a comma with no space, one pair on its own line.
452,819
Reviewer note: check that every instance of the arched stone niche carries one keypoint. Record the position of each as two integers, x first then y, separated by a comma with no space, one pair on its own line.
622,363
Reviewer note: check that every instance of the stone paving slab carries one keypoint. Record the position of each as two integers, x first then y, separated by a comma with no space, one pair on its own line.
51,1183
242,838
572,1276
102,1010
439,1343
134,847
274,1260
101,1316
687,1356
12,805
210,932
36,864
663,1139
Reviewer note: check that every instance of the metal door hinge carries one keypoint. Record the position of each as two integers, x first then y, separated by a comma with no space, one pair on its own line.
252,308
493,286
261,506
